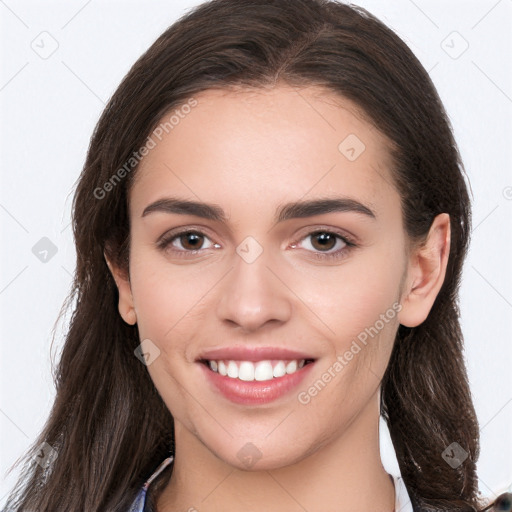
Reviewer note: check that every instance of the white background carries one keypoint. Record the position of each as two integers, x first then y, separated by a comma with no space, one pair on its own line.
49,107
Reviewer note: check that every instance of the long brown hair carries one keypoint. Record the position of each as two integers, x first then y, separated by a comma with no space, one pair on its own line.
108,424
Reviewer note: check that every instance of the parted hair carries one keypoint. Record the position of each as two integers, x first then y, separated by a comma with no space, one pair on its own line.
108,423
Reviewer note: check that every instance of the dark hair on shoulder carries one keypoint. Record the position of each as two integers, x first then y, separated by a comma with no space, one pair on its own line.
108,423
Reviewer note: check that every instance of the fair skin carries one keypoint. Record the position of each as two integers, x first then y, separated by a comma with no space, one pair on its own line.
249,152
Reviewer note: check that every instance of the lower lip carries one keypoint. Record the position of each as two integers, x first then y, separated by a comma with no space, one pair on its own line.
255,392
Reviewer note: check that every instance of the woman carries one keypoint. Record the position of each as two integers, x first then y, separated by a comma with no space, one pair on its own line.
270,227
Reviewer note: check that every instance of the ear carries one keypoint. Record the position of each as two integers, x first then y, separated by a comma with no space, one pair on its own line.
425,274
125,305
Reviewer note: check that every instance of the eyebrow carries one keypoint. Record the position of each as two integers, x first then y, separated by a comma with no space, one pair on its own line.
293,210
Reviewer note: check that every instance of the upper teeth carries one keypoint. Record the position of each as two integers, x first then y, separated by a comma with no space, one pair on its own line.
249,371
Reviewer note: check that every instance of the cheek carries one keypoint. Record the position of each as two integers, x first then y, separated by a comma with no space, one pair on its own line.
167,297
168,302
353,298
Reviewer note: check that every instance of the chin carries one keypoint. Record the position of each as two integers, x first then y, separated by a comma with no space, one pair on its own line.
261,456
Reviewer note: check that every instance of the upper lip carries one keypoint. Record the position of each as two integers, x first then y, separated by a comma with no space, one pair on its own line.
247,353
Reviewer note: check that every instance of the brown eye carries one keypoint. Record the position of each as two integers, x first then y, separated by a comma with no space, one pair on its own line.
185,243
323,241
191,241
324,244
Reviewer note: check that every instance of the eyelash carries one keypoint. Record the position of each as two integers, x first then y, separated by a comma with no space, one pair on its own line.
166,240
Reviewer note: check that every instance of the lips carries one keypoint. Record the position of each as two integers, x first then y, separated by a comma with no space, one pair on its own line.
241,388
254,354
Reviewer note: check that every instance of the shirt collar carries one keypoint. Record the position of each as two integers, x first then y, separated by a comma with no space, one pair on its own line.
402,500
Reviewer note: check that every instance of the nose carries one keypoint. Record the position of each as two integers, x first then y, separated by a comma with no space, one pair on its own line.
254,295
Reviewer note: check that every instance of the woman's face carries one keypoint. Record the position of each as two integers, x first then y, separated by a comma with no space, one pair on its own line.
263,284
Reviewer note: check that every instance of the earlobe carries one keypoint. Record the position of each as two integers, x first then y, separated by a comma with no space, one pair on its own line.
426,273
125,305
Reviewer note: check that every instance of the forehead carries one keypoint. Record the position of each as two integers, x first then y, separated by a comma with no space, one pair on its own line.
255,146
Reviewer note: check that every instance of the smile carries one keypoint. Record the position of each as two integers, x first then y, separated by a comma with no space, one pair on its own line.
254,383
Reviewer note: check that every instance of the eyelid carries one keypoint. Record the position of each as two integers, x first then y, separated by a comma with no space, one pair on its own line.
309,230
172,233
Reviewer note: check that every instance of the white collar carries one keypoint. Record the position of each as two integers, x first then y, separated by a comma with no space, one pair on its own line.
402,500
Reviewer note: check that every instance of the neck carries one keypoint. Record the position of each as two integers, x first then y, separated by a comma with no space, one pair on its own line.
345,474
